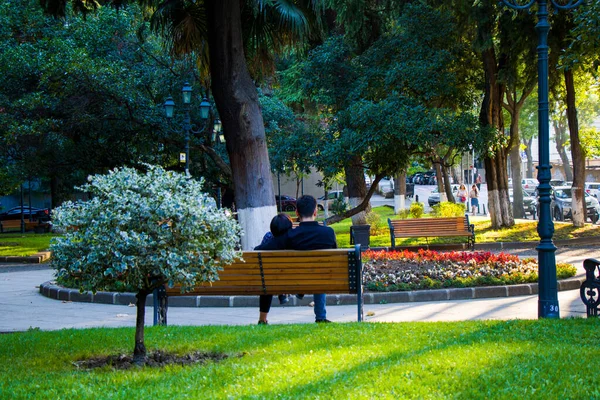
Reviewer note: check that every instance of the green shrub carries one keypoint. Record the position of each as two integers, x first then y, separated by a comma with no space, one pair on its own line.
404,214
339,205
377,224
142,230
448,209
417,209
564,270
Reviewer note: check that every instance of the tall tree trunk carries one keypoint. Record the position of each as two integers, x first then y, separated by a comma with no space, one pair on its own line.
514,104
400,192
495,163
515,166
448,186
54,191
529,143
357,188
237,101
560,138
439,179
578,156
139,351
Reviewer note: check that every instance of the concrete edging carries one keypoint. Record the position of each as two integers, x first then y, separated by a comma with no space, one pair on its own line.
53,291
37,258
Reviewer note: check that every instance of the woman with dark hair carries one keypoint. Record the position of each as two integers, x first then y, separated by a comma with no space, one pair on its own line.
280,224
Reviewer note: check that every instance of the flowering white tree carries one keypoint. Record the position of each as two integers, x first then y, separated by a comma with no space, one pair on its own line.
143,230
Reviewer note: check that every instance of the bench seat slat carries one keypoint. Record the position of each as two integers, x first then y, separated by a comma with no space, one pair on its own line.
287,276
406,234
341,258
256,291
228,274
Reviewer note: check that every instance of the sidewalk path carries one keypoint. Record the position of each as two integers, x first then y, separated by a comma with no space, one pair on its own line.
24,307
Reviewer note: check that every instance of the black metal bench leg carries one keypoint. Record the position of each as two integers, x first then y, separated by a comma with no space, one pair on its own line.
161,305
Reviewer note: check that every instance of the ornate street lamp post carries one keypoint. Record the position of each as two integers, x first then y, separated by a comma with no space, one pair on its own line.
188,127
548,294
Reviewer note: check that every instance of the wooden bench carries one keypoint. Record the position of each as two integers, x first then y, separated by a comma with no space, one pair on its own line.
37,226
432,227
590,288
280,271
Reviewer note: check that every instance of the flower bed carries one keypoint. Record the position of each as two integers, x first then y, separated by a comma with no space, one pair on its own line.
426,269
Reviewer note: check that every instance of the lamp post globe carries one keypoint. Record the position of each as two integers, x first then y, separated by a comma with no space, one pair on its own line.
186,93
204,108
169,107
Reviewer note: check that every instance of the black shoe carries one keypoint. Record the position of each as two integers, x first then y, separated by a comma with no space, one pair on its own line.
299,296
283,299
263,322
320,321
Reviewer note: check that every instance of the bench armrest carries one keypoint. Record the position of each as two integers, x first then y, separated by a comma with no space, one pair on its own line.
590,265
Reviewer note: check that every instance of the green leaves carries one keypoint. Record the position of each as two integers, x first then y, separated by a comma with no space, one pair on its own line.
142,230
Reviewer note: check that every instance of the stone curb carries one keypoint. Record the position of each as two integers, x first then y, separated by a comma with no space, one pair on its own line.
49,289
36,258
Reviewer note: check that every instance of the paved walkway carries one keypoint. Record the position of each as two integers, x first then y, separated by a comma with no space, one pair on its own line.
23,307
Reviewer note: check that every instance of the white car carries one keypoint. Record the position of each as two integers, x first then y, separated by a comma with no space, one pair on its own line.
434,196
529,183
331,197
593,189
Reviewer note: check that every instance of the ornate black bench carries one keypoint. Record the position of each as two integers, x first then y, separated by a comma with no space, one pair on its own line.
590,288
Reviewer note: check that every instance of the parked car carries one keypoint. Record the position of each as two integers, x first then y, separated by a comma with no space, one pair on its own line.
30,213
529,183
593,189
331,197
434,196
529,203
288,203
561,204
557,182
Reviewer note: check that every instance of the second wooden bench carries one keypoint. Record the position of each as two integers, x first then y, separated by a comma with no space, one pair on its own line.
432,227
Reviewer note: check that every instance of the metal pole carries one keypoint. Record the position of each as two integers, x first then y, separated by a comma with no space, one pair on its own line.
22,212
473,167
548,292
29,196
187,127
279,191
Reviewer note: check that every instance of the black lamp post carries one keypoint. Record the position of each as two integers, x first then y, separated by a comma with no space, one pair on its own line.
188,127
548,293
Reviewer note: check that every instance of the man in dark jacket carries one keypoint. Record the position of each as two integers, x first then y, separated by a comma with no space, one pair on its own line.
309,235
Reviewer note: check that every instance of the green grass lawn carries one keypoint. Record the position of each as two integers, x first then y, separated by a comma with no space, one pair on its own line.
545,359
19,244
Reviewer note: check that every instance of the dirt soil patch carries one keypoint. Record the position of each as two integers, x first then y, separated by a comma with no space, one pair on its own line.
157,359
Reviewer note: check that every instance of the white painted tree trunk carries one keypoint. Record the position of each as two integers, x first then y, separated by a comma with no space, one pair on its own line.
578,214
361,217
399,203
256,223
